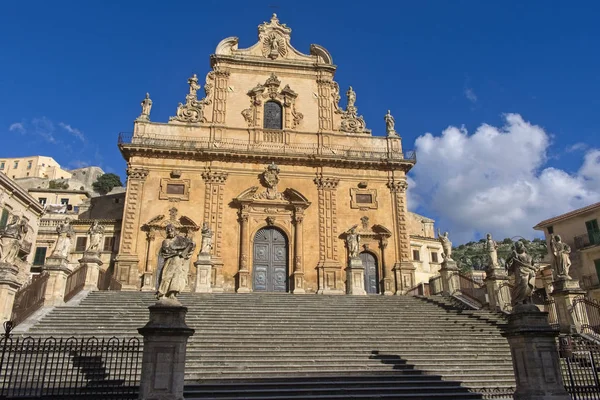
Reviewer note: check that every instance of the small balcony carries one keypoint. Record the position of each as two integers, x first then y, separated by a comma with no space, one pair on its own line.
587,240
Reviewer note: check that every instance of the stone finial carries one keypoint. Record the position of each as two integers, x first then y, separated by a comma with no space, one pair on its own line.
193,109
351,121
389,124
146,107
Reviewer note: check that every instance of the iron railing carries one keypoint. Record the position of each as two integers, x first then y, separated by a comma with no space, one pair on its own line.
587,313
75,282
69,368
580,363
472,289
29,298
550,308
589,281
422,289
193,143
587,240
106,281
435,285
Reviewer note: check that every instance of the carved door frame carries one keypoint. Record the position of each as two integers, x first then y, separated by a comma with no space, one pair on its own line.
285,212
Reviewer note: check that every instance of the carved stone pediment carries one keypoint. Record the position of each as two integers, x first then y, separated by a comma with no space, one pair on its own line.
274,45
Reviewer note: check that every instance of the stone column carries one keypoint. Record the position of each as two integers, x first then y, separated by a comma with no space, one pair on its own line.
387,280
498,293
298,248
355,277
163,362
244,273
203,274
126,263
148,284
565,291
9,285
58,271
329,268
449,274
93,262
403,266
535,358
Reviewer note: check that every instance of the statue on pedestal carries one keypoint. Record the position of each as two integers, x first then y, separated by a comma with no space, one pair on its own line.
175,250
353,243
446,245
389,124
146,107
10,239
95,236
492,248
207,234
63,243
562,261
520,264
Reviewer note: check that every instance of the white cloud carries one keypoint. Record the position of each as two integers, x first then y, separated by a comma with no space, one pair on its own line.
17,127
577,147
494,180
470,95
73,131
44,128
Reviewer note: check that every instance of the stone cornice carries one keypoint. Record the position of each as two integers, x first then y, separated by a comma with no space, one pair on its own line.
269,64
17,191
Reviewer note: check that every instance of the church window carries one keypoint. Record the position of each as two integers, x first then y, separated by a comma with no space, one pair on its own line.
434,257
29,164
364,198
80,244
273,115
173,188
2,165
4,218
43,200
40,256
416,255
64,201
16,164
108,243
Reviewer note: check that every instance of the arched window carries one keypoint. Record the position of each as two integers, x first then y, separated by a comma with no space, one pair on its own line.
273,115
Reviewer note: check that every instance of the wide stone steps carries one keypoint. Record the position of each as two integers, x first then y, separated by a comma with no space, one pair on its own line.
276,346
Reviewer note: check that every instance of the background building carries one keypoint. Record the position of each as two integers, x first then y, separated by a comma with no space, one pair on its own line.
34,166
579,229
426,250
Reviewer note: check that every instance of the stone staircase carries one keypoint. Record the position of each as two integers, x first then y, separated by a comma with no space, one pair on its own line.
282,346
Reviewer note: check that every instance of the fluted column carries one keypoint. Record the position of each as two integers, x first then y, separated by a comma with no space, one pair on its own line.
244,273
298,259
403,267
387,279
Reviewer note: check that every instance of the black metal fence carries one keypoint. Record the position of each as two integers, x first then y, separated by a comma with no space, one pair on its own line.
29,298
580,363
587,313
67,368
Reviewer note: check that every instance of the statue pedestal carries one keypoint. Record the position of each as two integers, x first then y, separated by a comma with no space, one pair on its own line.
355,277
218,281
449,274
330,278
148,283
565,291
498,292
404,272
9,284
298,283
165,340
58,271
93,263
243,281
535,359
203,274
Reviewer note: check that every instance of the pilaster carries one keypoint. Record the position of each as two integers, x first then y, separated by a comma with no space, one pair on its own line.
126,263
243,279
220,77
298,248
398,189
565,292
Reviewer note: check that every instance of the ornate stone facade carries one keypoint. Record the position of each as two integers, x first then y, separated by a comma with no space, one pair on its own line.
278,171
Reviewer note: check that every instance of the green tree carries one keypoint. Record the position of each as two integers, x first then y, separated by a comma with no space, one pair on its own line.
105,183
55,184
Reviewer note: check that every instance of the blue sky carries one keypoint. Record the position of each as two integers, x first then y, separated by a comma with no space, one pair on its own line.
73,74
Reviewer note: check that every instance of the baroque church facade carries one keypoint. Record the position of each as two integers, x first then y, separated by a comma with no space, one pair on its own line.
279,172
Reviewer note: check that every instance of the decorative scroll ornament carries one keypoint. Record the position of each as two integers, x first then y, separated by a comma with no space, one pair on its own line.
351,121
270,91
274,38
193,109
270,179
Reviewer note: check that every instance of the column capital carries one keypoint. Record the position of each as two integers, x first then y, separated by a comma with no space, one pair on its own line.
326,183
397,186
137,173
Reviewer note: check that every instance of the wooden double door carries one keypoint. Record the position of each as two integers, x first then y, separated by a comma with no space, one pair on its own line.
270,261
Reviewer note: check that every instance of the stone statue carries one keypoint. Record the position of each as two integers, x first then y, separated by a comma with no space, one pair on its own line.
389,123
446,245
520,264
207,235
95,237
353,242
175,250
194,86
10,239
562,260
146,107
492,248
63,243
351,95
